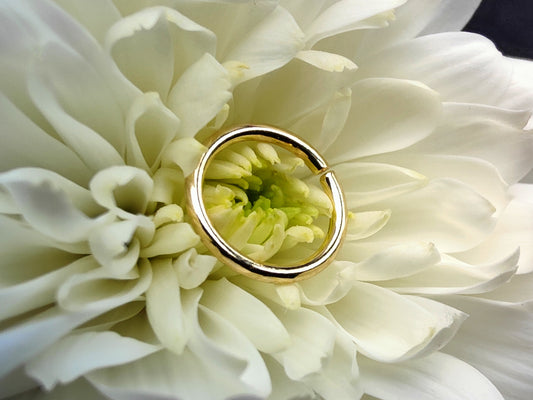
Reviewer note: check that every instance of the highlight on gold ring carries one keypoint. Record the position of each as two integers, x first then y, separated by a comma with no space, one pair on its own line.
230,256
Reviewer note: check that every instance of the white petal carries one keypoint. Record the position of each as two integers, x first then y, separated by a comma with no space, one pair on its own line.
45,202
163,306
514,229
386,115
366,183
193,268
96,16
339,377
284,388
165,375
283,97
74,355
199,94
170,41
312,341
114,247
482,176
96,291
38,24
20,343
327,61
247,313
29,145
452,276
436,377
37,292
326,287
171,239
28,254
185,153
519,94
345,15
123,190
79,196
460,66
83,112
445,212
267,45
489,133
393,262
497,340
389,327
218,352
150,127
80,390
451,16
223,342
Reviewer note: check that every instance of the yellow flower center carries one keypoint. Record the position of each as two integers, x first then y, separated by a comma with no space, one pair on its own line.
261,202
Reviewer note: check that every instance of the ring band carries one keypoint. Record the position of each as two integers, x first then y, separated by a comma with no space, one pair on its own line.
226,253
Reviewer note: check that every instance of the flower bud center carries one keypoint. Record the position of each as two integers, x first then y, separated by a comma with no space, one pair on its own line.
260,201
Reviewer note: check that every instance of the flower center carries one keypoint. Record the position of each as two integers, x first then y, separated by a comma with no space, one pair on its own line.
261,202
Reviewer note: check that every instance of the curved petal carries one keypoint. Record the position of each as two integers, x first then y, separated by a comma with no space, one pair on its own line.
345,15
73,356
436,377
261,51
21,342
96,291
312,341
123,190
482,176
37,292
49,203
96,16
29,145
375,318
193,268
451,15
393,262
86,115
514,229
489,133
496,339
365,183
171,42
150,127
453,276
199,94
247,313
460,66
164,308
386,115
445,212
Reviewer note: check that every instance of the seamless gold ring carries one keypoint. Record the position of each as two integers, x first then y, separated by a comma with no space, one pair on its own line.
225,252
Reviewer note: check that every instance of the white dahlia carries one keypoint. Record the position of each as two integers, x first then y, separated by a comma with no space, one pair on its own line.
106,290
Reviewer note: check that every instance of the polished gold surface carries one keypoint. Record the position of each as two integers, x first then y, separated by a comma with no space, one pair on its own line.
231,257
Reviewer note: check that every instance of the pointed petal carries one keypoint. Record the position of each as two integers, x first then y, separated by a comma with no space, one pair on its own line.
436,377
199,94
164,309
497,340
386,115
73,356
247,313
374,317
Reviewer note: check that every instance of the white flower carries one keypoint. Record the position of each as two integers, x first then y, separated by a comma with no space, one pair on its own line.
106,290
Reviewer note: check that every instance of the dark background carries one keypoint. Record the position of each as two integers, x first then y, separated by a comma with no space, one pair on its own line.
508,23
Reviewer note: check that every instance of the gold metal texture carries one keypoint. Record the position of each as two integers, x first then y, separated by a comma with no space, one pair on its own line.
225,252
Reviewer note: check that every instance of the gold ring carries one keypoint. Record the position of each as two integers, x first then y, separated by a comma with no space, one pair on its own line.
226,253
